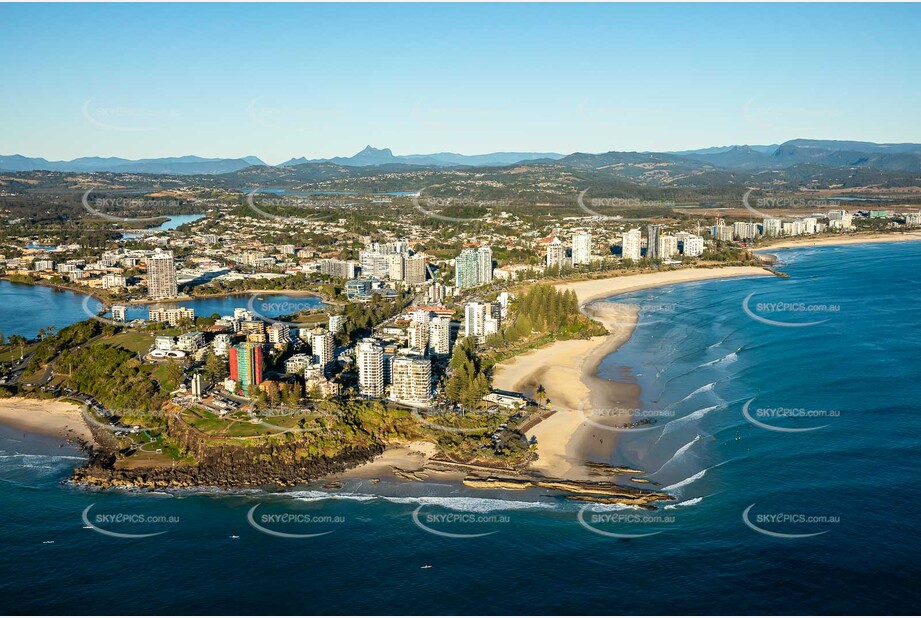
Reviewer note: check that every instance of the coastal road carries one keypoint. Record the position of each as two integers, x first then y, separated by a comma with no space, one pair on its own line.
18,369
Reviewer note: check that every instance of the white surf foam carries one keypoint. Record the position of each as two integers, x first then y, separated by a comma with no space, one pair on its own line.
723,360
468,504
703,389
681,451
679,422
690,502
687,481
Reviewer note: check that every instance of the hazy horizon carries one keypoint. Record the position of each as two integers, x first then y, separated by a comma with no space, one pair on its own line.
319,81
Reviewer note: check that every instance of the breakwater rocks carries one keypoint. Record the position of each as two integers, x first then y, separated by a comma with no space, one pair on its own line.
602,469
222,467
588,491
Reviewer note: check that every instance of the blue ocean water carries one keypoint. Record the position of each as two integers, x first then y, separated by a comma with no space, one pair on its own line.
698,356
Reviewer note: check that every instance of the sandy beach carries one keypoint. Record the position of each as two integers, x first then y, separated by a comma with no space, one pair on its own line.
411,457
567,371
842,239
46,417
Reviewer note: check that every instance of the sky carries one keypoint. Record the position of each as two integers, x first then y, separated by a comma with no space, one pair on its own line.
280,81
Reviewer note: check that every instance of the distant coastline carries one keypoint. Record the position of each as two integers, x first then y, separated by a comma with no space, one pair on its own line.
840,240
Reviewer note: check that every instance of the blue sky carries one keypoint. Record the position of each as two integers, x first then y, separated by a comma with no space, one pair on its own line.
279,81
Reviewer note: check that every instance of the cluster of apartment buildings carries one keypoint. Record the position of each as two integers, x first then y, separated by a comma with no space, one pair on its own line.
473,267
398,364
581,250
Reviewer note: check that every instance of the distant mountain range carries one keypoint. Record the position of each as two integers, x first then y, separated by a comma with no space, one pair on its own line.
385,156
824,153
798,153
197,165
169,165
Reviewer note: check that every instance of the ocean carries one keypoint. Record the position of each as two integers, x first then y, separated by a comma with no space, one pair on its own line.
767,520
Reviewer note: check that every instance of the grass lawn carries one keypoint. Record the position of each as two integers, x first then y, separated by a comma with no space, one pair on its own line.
133,342
160,373
241,426
311,318
9,354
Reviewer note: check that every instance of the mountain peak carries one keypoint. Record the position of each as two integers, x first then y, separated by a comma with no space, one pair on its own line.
369,149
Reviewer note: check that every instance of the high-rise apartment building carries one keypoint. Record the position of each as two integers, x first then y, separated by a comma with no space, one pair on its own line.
744,230
440,336
414,270
581,248
321,346
556,253
632,245
668,247
772,227
484,265
693,246
653,232
161,275
475,319
411,380
246,366
369,357
722,232
467,268
279,333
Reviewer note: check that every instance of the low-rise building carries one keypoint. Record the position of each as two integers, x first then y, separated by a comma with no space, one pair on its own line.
172,316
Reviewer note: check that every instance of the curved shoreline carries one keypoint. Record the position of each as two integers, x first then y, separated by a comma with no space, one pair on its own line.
840,240
47,417
574,387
